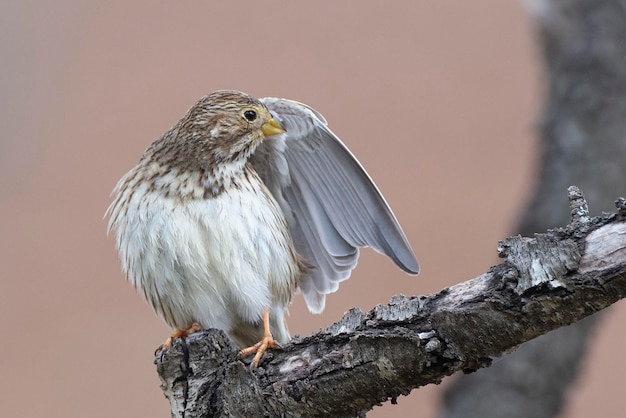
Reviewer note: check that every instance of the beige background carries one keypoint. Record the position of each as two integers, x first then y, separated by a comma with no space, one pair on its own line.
437,99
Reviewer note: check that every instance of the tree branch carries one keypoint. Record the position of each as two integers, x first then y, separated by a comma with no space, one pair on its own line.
546,282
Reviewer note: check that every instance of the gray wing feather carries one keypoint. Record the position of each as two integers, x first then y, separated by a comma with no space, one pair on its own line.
331,204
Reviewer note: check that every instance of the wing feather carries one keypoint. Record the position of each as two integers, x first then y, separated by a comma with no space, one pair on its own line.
332,205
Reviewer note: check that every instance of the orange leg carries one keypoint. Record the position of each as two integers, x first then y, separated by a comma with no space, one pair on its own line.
266,342
179,333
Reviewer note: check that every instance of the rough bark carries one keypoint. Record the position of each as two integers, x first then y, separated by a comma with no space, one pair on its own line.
582,143
546,282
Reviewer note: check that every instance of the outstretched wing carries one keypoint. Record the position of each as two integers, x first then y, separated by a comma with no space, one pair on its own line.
331,204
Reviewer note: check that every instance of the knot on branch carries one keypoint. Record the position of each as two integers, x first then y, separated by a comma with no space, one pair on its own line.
579,210
540,260
620,204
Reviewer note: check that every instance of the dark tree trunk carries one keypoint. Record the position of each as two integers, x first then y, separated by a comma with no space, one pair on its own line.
583,142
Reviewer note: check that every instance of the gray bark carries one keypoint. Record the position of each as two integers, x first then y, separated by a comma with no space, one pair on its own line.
546,282
582,142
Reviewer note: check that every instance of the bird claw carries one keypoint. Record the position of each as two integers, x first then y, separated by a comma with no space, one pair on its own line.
163,348
259,348
178,333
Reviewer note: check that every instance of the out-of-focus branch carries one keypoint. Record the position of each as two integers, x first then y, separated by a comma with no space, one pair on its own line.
582,142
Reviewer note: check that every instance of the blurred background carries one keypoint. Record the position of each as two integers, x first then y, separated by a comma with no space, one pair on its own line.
438,100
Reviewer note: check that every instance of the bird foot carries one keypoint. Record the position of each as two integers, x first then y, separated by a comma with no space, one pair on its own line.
259,348
178,333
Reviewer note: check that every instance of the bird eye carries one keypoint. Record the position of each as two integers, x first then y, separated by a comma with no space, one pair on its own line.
250,115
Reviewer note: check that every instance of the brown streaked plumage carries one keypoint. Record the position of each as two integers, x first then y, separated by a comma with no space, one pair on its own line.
227,215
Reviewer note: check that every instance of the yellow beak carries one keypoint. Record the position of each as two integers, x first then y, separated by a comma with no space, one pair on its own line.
272,127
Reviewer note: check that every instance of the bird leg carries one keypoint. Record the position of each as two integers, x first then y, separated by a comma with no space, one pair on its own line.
266,342
178,333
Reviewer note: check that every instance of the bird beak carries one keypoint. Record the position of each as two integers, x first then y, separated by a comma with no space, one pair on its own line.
272,127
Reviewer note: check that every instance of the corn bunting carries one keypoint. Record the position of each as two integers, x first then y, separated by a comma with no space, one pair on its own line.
240,204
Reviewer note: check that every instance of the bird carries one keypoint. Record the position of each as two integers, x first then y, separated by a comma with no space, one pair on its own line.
240,205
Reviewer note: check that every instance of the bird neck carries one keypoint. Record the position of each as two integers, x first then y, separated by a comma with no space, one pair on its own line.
223,176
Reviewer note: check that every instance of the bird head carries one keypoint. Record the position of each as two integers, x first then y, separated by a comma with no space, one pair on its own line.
210,144
227,126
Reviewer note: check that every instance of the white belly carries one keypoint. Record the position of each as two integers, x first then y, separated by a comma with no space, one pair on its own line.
216,261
